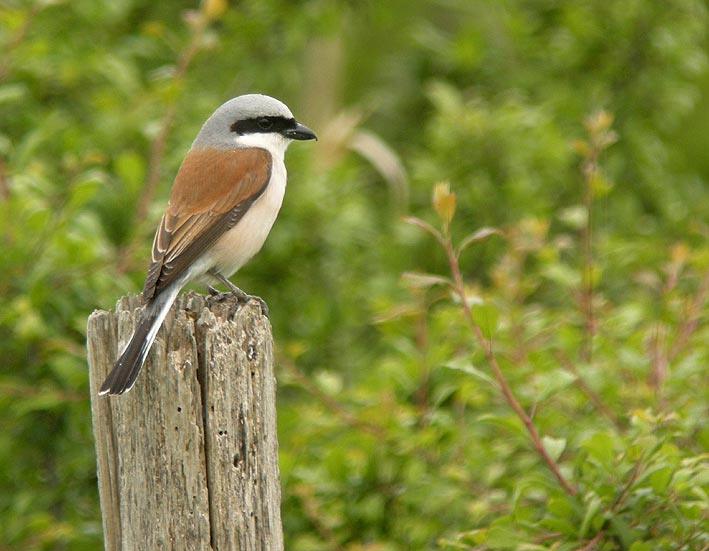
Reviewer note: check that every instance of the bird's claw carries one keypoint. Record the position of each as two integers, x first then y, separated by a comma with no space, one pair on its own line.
241,296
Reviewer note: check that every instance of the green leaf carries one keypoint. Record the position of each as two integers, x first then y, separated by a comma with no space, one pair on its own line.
329,382
130,169
560,507
10,93
554,446
470,369
422,281
476,237
510,422
622,530
600,447
85,189
504,533
592,508
660,477
562,274
576,217
547,384
485,316
562,525
600,185
424,226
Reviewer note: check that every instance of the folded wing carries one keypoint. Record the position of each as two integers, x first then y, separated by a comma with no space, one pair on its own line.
212,191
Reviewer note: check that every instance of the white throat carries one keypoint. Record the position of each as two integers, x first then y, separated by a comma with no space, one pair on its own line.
244,240
274,143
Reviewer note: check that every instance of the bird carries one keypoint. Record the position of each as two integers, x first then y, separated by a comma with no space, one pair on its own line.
224,200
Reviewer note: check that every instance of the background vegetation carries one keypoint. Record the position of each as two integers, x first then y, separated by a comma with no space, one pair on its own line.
544,389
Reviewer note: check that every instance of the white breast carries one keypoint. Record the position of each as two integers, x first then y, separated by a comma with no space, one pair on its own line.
236,247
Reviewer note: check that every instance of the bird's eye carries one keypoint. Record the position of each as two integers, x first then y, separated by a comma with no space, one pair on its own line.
265,124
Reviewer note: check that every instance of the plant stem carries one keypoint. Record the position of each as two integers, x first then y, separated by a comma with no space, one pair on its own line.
600,136
586,299
486,345
157,147
692,317
422,392
335,406
592,542
581,383
16,39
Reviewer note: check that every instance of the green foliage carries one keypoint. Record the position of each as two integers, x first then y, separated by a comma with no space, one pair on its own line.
571,137
637,492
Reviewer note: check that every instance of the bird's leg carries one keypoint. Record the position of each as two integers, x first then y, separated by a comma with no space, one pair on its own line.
238,293
241,295
212,291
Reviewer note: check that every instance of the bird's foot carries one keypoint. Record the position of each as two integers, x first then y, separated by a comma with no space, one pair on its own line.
261,302
213,292
241,296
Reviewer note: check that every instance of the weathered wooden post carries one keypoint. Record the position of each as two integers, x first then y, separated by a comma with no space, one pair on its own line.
188,459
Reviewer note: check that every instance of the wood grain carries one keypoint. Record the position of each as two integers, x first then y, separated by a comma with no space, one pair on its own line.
188,459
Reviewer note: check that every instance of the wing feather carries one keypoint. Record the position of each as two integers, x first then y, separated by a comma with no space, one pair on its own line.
213,190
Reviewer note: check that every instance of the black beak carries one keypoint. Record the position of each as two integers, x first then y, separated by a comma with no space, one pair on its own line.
300,132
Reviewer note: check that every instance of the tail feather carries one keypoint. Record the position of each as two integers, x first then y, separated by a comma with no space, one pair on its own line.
125,371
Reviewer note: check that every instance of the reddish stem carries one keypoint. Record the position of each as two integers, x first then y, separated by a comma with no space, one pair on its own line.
486,345
692,317
590,168
157,147
592,542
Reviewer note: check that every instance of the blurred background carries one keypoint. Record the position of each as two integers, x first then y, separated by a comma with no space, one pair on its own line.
392,436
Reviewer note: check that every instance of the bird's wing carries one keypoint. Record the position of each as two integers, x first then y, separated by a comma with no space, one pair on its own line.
212,191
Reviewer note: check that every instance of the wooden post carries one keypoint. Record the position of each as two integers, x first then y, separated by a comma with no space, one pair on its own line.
188,459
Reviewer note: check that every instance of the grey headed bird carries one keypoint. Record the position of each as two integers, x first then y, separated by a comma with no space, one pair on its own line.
223,203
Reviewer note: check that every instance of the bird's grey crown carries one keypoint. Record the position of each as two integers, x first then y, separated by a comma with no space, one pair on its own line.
216,130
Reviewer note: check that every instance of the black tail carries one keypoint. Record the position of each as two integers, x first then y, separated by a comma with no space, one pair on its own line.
124,373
